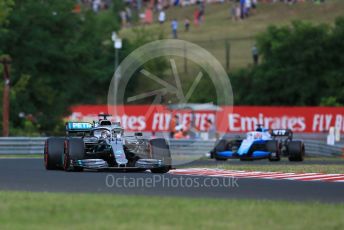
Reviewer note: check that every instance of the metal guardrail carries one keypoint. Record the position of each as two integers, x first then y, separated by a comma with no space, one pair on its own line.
318,148
190,147
21,145
35,145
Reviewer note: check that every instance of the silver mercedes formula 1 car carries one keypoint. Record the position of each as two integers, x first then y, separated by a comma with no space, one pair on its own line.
102,146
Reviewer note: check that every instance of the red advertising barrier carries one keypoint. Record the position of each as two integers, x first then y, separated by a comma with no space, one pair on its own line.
237,119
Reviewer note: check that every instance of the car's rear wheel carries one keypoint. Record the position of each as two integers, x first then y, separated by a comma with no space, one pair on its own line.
273,147
296,151
160,150
74,149
53,152
246,159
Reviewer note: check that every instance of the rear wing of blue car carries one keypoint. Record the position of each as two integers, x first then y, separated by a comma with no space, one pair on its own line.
78,127
282,133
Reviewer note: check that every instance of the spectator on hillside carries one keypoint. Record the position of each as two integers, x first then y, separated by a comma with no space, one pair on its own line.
242,9
159,6
106,4
138,4
196,16
254,5
232,12
148,16
162,17
187,24
123,17
174,27
77,8
200,16
255,55
96,6
237,12
176,2
201,12
128,15
319,1
247,7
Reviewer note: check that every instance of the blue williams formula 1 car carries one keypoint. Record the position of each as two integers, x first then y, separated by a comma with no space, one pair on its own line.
261,144
102,145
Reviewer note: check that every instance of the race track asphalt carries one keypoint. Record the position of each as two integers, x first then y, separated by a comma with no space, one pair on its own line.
30,175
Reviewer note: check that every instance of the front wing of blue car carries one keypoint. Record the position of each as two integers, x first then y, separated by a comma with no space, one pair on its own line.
255,155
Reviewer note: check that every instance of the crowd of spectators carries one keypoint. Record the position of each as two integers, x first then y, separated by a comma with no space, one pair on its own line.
291,1
151,11
158,5
95,5
189,130
242,9
145,9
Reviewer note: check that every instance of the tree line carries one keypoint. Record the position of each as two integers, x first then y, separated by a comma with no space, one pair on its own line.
302,65
60,58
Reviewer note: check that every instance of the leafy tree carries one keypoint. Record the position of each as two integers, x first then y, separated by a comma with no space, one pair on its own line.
60,58
5,9
302,65
64,56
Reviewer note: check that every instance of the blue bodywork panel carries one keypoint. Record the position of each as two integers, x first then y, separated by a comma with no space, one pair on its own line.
226,154
246,145
260,154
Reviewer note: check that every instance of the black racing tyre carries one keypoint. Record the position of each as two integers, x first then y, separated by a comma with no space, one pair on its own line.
296,150
74,149
53,152
160,150
160,170
224,145
273,146
219,147
220,158
246,159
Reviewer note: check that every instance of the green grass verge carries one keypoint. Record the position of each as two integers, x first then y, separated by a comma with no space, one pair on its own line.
310,165
4,156
25,210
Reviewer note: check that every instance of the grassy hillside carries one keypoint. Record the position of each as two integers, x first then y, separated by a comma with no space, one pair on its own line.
218,26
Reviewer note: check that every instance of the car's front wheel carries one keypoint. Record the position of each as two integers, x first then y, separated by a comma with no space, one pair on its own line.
274,148
53,151
160,150
161,170
74,149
